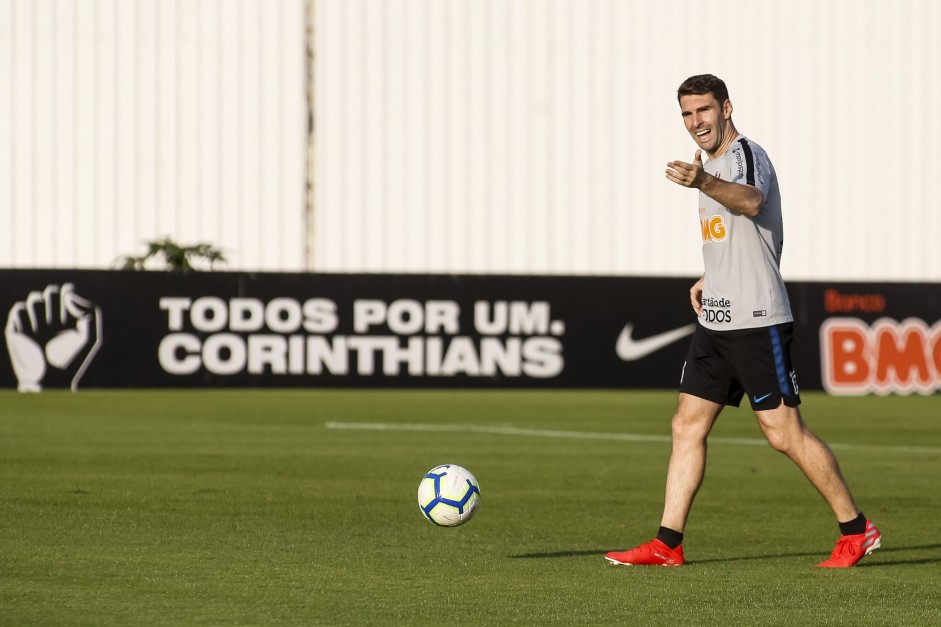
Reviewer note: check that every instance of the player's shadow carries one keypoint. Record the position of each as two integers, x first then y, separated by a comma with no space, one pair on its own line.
745,558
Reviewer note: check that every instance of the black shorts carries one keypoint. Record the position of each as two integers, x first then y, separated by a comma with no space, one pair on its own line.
722,366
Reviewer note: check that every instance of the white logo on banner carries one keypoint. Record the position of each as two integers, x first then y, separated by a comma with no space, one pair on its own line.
288,336
53,334
630,349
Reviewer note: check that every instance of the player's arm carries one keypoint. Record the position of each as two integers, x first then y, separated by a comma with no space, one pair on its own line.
695,295
738,197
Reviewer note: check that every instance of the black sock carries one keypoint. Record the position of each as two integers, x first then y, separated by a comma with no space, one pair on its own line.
671,538
855,526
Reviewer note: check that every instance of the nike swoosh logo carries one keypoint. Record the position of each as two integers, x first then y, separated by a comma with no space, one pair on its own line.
630,349
758,399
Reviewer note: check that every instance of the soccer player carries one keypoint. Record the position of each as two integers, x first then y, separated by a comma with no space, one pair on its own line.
742,342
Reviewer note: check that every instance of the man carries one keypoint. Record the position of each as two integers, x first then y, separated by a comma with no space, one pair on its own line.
742,343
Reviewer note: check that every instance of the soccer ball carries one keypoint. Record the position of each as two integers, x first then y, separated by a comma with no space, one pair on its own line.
448,495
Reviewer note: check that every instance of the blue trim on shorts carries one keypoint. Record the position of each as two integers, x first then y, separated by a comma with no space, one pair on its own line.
779,368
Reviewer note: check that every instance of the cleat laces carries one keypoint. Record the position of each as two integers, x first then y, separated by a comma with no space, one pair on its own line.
843,546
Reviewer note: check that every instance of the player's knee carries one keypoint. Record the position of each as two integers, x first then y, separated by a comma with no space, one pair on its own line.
688,427
783,428
779,440
788,439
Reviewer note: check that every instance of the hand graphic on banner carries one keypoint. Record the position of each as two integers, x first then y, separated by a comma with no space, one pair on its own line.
52,336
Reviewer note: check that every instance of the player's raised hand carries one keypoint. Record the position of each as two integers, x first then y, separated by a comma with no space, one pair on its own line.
687,174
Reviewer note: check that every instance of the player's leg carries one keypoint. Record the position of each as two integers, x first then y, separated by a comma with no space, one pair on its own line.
762,360
691,425
786,432
705,388
692,422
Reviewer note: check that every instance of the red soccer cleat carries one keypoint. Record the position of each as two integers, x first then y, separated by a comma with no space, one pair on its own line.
653,553
851,549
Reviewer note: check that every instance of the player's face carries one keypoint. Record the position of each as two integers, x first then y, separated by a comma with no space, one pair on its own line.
707,120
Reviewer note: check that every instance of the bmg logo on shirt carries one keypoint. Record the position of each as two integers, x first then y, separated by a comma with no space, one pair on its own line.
713,229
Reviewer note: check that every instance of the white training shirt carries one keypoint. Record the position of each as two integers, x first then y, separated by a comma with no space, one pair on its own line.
742,256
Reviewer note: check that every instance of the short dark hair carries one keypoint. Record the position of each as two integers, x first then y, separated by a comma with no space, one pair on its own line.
703,84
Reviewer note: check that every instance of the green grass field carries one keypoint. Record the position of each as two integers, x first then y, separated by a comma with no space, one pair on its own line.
267,507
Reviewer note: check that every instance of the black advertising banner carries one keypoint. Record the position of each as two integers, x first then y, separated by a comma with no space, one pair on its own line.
110,329
882,338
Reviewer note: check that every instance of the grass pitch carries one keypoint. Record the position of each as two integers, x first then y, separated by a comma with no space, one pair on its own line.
299,507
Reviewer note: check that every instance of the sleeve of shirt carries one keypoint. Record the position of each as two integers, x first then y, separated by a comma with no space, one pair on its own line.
755,167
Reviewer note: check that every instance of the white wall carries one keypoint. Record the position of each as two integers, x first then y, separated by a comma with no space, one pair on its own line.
460,135
532,135
129,120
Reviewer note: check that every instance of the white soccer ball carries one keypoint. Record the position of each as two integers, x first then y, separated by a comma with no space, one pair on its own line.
448,495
